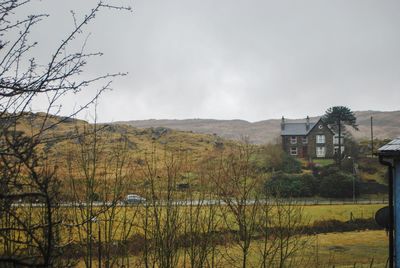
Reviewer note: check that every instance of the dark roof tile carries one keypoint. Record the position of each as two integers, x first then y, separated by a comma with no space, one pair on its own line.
296,129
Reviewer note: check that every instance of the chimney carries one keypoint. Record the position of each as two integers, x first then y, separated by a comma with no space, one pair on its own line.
283,123
308,123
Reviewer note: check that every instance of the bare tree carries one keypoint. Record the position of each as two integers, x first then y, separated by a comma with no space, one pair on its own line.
97,179
281,228
267,230
162,212
237,182
200,218
32,238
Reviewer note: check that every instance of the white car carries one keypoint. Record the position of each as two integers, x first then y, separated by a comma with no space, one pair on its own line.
134,199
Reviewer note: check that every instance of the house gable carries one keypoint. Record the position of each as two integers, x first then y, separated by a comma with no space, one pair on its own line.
320,125
321,141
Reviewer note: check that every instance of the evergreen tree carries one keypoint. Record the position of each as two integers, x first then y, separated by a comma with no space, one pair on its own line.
338,117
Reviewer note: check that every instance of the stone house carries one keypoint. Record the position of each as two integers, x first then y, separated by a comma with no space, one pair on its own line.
309,140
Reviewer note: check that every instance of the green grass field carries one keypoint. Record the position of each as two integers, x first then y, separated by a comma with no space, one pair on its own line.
350,249
311,214
339,250
347,249
341,212
323,162
322,250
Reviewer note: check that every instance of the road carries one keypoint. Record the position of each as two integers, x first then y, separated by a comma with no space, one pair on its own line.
306,202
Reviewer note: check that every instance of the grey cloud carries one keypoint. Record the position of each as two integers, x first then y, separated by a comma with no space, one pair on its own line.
240,59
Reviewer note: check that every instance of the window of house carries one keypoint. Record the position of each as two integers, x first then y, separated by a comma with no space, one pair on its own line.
337,149
336,139
305,140
320,138
293,140
321,151
293,151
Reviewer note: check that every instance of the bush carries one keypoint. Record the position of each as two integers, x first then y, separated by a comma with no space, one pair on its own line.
329,226
337,184
292,185
348,165
290,164
273,158
370,165
372,187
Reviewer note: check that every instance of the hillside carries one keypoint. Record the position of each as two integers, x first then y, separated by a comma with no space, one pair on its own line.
386,125
60,139
110,156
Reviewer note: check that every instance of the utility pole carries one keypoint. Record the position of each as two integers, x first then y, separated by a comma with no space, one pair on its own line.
372,137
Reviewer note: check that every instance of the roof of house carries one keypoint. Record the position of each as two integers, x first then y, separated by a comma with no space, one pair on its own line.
391,149
297,128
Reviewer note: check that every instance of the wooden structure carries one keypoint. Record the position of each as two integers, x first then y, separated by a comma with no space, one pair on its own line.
389,155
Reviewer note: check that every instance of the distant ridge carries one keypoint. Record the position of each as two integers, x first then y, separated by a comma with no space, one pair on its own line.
386,125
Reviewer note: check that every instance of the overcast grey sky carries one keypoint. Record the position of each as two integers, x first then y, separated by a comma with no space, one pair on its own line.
225,59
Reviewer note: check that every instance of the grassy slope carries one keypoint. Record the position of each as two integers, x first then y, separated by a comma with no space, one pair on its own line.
138,145
138,141
371,169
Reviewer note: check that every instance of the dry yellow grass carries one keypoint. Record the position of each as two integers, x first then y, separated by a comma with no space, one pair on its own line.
340,250
134,215
347,249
